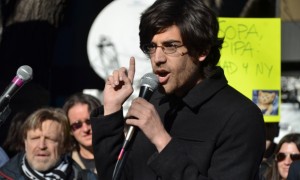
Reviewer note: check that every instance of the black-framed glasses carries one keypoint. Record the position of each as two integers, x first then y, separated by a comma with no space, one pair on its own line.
78,124
281,156
167,48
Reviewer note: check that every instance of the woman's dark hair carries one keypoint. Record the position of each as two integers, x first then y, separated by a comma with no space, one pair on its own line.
198,25
81,98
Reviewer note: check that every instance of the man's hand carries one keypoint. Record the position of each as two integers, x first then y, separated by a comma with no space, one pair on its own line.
148,120
118,88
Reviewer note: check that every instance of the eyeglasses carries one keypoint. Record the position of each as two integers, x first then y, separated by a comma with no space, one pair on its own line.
167,48
78,124
281,156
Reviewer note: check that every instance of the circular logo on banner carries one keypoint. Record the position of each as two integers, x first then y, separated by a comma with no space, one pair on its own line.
114,38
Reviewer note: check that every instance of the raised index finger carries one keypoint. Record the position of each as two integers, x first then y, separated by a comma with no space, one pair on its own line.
131,70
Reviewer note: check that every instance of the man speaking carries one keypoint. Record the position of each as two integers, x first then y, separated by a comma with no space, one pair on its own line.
195,126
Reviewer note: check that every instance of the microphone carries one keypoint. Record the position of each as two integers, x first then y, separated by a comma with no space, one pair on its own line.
24,74
149,83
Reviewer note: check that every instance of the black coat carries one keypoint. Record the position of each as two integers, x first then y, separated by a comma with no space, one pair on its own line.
217,133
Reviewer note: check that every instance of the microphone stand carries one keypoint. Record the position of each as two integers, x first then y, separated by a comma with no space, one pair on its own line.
124,153
120,165
4,114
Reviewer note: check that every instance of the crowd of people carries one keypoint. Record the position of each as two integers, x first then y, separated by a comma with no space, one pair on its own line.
52,143
47,141
194,126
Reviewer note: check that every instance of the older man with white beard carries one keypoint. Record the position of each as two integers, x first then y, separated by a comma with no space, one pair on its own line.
47,141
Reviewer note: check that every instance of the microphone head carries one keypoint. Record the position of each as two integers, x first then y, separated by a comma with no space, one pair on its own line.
150,80
25,73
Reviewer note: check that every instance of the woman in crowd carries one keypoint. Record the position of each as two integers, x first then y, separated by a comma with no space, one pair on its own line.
78,108
287,151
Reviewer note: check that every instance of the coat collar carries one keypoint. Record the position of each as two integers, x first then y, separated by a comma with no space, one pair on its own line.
201,92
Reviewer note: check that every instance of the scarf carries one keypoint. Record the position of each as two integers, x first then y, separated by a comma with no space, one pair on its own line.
60,172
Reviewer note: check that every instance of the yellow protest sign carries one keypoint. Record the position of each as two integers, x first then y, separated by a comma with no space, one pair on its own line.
251,58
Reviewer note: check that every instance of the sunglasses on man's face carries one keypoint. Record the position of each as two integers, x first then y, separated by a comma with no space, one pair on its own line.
78,124
281,156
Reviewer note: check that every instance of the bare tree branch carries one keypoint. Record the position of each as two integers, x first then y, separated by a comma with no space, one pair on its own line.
44,10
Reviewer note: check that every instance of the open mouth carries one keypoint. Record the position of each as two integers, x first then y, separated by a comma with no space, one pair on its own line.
163,76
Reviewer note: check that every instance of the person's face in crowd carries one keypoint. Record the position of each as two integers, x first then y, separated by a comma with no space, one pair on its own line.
284,165
177,72
44,146
79,117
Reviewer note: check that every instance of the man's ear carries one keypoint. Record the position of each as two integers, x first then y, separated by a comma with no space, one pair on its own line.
203,56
